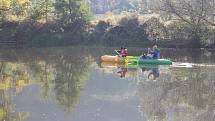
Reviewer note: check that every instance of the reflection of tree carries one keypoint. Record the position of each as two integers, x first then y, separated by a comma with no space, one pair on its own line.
180,95
7,109
12,75
64,74
70,77
62,71
43,73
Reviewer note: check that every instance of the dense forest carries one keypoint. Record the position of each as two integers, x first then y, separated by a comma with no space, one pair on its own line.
170,23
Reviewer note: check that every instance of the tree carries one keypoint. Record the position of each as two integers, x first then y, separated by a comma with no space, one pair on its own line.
74,9
20,8
192,12
42,8
196,13
14,9
72,14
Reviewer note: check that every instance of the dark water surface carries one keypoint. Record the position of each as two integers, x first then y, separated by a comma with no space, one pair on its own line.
71,84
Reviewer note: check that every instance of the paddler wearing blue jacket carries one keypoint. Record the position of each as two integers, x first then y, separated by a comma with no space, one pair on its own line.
155,52
152,54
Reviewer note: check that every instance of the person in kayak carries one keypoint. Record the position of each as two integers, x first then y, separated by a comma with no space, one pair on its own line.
155,52
122,52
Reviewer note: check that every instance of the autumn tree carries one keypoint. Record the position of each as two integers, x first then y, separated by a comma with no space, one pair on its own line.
195,13
20,8
14,9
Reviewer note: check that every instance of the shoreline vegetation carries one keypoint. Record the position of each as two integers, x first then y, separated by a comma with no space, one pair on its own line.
68,22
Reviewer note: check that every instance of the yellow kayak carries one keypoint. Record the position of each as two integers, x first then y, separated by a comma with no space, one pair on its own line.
117,59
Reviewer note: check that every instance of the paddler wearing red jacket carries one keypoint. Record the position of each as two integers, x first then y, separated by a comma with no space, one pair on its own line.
123,52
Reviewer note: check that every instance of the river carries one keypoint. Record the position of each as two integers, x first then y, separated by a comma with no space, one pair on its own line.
71,84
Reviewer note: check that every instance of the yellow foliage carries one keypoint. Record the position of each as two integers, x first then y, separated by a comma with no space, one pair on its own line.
5,4
20,2
24,3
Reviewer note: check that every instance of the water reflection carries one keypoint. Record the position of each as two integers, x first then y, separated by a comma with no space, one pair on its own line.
60,72
172,93
186,94
47,84
12,75
151,72
70,78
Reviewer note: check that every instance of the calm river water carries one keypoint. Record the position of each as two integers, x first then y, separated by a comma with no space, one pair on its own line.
71,84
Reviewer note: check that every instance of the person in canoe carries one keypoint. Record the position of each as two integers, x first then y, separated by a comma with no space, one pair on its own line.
122,52
152,54
155,52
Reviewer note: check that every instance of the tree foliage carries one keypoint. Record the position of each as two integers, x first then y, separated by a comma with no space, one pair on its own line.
14,9
198,16
74,9
42,9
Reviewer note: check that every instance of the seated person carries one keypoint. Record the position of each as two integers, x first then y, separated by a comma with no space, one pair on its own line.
155,52
122,52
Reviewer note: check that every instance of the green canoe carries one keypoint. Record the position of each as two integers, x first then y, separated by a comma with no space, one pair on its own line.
150,61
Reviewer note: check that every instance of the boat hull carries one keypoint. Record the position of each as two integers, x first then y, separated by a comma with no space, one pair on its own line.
136,60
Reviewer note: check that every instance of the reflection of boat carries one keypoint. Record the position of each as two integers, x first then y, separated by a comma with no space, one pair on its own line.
126,65
135,59
151,71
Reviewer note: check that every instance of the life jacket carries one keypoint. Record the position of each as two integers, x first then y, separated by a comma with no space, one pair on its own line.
123,53
156,54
